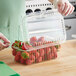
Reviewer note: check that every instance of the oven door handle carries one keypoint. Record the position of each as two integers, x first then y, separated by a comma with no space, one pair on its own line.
67,27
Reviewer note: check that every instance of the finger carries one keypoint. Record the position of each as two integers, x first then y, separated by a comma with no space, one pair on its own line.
65,9
72,10
50,1
3,45
60,7
7,44
4,38
68,11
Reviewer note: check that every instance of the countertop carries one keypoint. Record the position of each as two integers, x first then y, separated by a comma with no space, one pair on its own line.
64,65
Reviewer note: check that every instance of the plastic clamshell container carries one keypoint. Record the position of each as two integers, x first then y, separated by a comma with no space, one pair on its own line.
5,70
46,33
48,23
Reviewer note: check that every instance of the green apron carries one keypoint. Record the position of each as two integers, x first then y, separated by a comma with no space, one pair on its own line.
11,15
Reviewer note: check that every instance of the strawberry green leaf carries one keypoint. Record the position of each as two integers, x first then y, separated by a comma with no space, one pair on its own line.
24,55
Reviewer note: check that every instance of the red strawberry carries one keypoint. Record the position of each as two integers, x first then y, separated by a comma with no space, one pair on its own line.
19,43
39,59
25,54
41,39
43,57
41,52
34,44
39,44
48,50
19,53
13,44
54,50
56,55
17,58
16,41
33,39
32,57
49,57
24,46
28,61
22,60
36,55
32,52
52,54
14,52
48,42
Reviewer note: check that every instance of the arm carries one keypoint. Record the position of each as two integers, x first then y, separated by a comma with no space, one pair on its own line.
64,7
5,42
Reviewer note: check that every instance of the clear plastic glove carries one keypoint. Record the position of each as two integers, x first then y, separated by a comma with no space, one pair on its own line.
64,6
5,42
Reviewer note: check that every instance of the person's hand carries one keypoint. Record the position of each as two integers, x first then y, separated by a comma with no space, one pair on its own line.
5,42
64,7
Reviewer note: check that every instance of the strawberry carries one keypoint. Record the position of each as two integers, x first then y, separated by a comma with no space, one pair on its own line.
52,54
32,57
39,59
43,42
28,61
19,53
54,50
41,39
14,52
34,44
33,39
39,43
13,44
17,58
56,55
41,52
16,41
22,60
19,43
43,57
48,50
36,55
32,52
25,54
24,46
49,57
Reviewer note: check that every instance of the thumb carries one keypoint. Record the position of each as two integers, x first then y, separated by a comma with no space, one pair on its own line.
60,6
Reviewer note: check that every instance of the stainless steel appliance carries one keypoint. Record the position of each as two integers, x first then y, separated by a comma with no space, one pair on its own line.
70,22
37,6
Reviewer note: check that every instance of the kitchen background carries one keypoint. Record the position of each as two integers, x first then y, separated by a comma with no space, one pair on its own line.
37,7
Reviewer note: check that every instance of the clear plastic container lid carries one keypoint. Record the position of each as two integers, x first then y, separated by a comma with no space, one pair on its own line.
49,24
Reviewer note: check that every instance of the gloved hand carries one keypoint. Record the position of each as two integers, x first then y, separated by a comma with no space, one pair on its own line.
64,6
5,42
